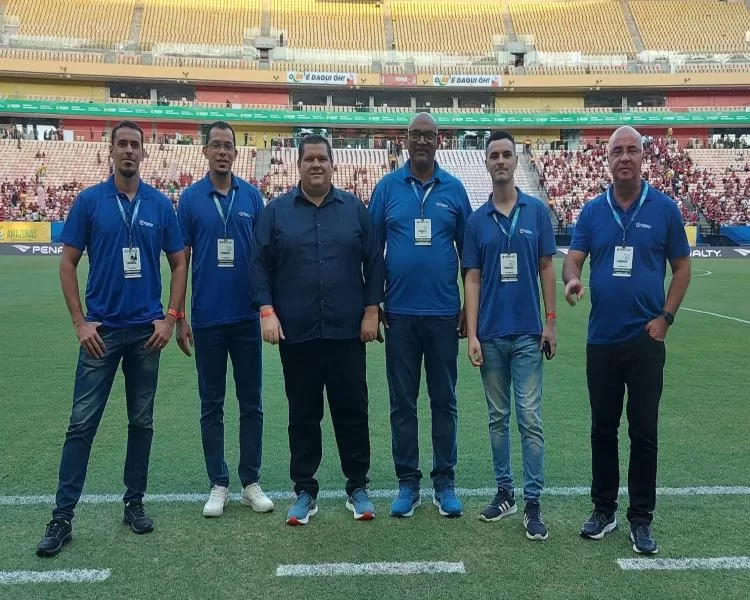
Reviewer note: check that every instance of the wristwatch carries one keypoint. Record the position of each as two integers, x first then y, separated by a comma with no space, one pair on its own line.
668,317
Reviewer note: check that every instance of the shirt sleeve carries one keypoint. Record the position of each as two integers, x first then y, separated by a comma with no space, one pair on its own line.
462,217
261,257
472,253
184,218
373,263
582,232
376,208
547,245
172,242
77,229
677,242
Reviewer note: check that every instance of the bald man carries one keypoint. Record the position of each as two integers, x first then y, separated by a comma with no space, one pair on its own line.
630,232
420,211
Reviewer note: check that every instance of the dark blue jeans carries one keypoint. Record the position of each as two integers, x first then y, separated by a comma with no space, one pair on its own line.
408,338
242,343
94,377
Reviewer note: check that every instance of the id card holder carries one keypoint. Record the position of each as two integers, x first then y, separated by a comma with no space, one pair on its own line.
225,250
508,267
422,232
131,263
622,264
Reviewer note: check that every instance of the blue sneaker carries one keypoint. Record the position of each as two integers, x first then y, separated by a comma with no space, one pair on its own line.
301,511
359,503
406,501
448,503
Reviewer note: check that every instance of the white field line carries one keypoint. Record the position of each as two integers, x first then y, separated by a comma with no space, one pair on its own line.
68,576
374,568
49,500
684,564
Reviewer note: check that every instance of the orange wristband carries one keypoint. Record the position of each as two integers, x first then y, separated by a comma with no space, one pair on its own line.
177,315
552,315
267,313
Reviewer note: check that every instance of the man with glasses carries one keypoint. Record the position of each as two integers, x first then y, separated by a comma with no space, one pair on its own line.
217,216
420,211
630,232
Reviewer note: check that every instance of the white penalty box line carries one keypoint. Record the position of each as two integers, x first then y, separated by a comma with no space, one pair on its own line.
63,576
372,568
48,500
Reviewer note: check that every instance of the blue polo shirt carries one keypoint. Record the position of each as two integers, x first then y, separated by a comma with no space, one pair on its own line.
220,295
319,266
621,306
421,280
95,225
509,308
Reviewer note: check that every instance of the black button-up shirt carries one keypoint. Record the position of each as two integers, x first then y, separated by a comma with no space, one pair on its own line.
319,266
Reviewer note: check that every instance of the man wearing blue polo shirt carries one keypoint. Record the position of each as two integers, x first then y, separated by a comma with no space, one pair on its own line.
508,243
420,211
630,232
217,215
123,224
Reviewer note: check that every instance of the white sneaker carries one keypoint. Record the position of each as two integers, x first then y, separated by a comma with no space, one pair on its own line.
254,497
217,502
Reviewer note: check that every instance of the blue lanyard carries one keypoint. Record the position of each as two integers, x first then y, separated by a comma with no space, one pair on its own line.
221,212
635,214
129,226
512,223
423,199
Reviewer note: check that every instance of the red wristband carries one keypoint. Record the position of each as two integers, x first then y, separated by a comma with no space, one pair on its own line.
551,315
267,313
177,315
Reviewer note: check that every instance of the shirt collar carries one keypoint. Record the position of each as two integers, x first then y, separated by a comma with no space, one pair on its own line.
632,207
212,190
333,194
521,200
112,192
408,177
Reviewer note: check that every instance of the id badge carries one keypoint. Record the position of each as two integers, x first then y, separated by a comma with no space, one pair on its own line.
509,267
622,266
423,232
131,262
225,248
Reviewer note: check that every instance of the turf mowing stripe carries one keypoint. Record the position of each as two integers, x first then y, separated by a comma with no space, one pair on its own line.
69,576
716,490
684,564
374,568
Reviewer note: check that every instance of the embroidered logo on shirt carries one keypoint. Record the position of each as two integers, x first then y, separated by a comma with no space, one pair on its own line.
640,225
242,213
441,205
525,231
143,223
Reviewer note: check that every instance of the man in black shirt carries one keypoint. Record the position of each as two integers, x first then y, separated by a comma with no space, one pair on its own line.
320,274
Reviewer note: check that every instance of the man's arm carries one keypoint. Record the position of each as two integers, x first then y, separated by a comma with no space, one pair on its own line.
571,275
86,332
549,296
373,271
178,284
681,273
261,268
184,331
472,285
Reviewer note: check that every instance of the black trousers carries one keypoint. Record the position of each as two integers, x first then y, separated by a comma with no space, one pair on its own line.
339,366
639,365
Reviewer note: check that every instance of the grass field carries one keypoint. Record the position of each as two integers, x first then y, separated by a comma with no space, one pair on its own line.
704,428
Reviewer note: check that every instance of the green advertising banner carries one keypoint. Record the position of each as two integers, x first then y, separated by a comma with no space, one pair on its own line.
367,119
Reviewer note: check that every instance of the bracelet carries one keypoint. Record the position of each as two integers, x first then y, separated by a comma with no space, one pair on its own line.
551,315
267,313
177,315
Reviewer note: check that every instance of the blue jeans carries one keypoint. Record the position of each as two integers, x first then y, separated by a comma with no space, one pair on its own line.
242,343
408,338
516,360
94,377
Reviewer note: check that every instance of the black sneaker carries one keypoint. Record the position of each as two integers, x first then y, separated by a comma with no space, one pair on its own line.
502,505
532,520
135,516
59,532
598,525
643,541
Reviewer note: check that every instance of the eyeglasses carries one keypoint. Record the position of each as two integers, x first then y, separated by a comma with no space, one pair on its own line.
216,146
618,152
429,136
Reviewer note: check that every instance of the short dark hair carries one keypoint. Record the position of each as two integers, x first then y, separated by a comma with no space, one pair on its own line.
501,134
221,125
126,125
313,140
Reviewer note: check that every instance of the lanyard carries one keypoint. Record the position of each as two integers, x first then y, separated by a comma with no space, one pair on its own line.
513,223
221,211
635,214
132,219
423,199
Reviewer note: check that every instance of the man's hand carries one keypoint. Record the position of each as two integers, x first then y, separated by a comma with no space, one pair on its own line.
657,328
162,333
271,329
549,334
462,323
88,335
184,336
368,330
475,352
574,291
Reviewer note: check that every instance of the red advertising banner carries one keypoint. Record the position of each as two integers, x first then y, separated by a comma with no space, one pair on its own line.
390,79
